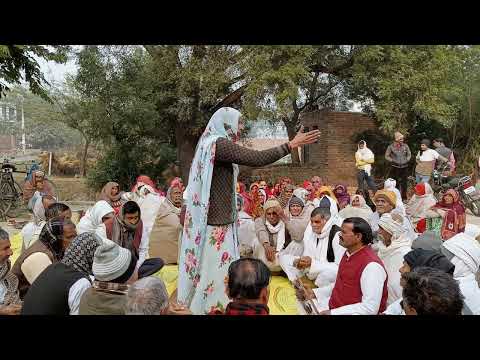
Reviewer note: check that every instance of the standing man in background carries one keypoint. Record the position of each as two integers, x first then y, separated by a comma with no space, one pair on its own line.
398,154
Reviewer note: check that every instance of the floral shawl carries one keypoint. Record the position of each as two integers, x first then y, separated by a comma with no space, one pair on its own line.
223,124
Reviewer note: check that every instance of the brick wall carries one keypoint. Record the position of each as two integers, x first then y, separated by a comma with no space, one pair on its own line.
333,157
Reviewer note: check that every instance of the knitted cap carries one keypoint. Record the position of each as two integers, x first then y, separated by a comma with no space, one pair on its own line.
296,201
387,195
110,261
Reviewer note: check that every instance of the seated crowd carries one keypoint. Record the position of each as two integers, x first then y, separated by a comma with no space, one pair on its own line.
344,253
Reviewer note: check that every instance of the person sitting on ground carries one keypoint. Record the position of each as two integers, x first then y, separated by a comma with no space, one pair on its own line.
94,219
112,195
55,237
247,288
39,183
318,265
126,230
394,245
247,238
357,208
53,211
285,196
328,202
31,231
166,232
272,235
390,185
304,195
385,202
10,303
419,206
297,219
307,185
149,296
426,158
361,283
114,269
59,288
143,180
429,291
429,240
464,252
453,214
316,183
342,195
324,191
415,259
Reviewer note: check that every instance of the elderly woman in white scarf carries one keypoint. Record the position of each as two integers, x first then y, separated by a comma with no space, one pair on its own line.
31,231
272,235
394,244
297,218
390,185
357,208
464,252
419,206
94,218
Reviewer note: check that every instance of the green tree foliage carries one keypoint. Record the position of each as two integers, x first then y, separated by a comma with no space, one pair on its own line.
285,81
111,102
19,62
44,127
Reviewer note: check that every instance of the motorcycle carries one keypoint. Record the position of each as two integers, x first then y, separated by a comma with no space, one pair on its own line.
469,195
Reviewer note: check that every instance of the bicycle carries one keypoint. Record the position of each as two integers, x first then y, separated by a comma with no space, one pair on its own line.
11,192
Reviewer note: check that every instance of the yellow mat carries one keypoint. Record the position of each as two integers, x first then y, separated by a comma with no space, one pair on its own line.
282,294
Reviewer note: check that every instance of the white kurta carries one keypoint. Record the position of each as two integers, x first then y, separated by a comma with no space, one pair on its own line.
392,258
246,232
321,271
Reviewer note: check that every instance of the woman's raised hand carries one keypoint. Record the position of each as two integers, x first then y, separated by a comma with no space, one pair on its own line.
304,138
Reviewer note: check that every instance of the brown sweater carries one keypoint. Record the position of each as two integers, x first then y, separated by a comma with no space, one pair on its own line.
23,284
222,191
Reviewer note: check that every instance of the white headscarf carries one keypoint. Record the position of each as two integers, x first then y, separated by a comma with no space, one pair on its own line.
365,154
93,217
336,219
301,193
394,226
390,185
418,205
466,251
472,230
363,211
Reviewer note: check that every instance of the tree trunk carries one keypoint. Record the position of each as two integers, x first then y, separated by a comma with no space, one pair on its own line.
84,157
291,134
185,151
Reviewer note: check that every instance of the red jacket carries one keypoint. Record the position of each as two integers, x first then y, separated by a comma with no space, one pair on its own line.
347,288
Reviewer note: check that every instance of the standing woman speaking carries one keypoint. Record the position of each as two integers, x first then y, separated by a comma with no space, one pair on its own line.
209,239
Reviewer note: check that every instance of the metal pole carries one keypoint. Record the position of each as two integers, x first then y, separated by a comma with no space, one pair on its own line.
50,165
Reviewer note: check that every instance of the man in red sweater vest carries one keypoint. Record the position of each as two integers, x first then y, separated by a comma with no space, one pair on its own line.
361,284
